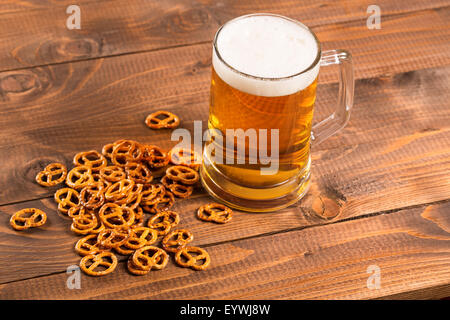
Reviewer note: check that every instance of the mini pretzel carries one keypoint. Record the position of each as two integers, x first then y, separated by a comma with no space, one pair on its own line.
179,190
163,221
115,217
134,269
92,196
138,173
113,173
182,174
52,175
119,190
28,218
140,237
91,159
176,239
90,263
152,193
67,198
108,148
112,238
162,120
190,256
87,245
79,177
155,156
164,204
185,157
215,212
149,257
84,224
125,152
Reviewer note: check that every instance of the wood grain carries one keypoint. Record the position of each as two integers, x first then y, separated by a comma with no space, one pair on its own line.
33,32
326,262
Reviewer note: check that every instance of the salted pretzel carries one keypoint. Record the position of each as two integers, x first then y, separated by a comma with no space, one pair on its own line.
162,120
28,218
163,221
91,159
79,177
53,174
125,152
155,156
113,173
190,256
67,198
139,173
182,174
99,264
178,189
152,193
176,239
87,245
134,269
150,257
119,190
115,217
165,203
92,196
215,212
108,148
112,238
185,157
139,237
84,224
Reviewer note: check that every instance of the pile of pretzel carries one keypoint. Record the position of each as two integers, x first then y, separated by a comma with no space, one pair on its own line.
108,195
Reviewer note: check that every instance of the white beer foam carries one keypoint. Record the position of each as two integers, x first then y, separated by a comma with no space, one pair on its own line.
267,47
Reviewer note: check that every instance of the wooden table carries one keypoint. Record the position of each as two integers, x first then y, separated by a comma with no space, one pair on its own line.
380,196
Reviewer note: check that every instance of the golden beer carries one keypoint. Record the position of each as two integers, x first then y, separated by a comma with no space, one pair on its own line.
261,104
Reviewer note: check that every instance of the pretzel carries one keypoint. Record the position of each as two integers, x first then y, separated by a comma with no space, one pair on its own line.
134,269
92,196
91,159
97,178
28,218
119,190
162,120
185,157
149,257
179,190
112,238
91,262
164,204
52,175
163,221
155,156
67,198
176,239
79,177
108,148
182,174
125,152
115,217
152,193
84,224
87,245
139,237
138,173
113,173
189,256
215,212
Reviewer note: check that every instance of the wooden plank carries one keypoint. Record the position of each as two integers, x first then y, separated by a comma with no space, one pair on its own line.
411,248
408,166
33,32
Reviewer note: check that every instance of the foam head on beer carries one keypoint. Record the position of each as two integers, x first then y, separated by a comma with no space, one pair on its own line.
266,47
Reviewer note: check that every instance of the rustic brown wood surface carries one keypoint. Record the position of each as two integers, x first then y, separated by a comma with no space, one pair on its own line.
381,187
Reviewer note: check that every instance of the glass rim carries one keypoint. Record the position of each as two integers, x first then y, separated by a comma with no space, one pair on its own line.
313,64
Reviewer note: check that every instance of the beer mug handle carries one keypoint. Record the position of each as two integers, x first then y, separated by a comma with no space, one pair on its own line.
339,118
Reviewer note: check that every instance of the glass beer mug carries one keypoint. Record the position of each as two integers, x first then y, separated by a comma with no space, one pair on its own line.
263,88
